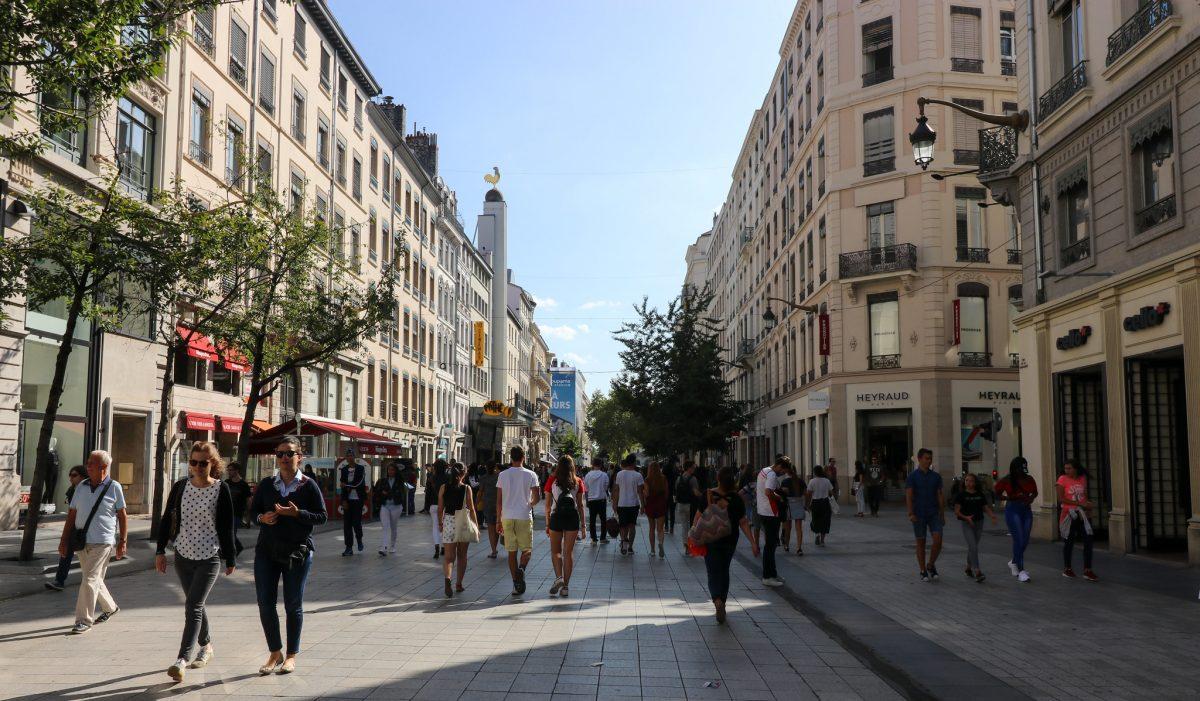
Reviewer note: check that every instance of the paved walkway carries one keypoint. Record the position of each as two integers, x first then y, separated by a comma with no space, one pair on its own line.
380,628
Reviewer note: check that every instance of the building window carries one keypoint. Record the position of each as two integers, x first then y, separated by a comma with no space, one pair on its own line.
972,325
884,315
189,371
269,9
224,380
299,119
339,162
820,83
373,165
237,52
356,178
68,140
1008,43
297,193
1074,205
358,111
370,388
881,226
343,92
877,51
135,148
1070,34
299,32
1154,168
970,237
372,234
202,30
325,67
264,164
323,142
235,144
966,133
966,49
266,83
200,144
355,243
337,245
879,143
387,179
1014,308
821,168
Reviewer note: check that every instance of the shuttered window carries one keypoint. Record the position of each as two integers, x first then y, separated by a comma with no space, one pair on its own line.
879,141
965,39
266,83
237,52
203,30
966,129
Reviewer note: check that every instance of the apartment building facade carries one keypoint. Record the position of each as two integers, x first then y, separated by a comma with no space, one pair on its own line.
1104,182
909,344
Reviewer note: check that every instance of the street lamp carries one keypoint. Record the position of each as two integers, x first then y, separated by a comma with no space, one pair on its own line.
769,318
923,137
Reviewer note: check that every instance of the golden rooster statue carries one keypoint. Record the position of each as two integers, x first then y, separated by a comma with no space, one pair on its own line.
494,177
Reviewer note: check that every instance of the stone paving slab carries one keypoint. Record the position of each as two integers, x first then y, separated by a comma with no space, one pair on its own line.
380,628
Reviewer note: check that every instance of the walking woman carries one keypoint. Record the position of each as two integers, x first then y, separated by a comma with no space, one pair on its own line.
1073,523
719,552
455,495
656,506
817,497
199,519
1020,490
564,521
77,474
793,485
286,507
969,506
388,496
859,487
487,510
438,476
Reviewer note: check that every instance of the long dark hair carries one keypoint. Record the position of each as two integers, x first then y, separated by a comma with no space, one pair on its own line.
1017,470
727,479
564,474
455,473
1080,470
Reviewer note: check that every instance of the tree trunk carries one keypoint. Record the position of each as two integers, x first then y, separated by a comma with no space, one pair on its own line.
164,424
48,420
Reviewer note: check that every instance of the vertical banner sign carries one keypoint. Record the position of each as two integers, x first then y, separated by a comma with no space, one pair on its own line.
957,323
562,396
478,344
823,323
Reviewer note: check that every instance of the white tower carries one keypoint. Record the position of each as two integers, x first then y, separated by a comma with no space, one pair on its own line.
493,239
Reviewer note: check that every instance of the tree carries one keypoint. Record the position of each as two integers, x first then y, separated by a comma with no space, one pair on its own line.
566,442
611,426
672,383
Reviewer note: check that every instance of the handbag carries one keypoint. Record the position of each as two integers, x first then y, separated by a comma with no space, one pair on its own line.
465,530
612,527
79,535
711,525
287,555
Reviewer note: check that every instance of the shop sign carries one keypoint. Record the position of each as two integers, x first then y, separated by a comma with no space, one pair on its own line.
1074,338
823,325
1147,317
1000,396
818,401
882,397
497,408
478,342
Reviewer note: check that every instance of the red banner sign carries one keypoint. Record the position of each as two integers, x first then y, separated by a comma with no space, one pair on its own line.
823,323
957,325
199,422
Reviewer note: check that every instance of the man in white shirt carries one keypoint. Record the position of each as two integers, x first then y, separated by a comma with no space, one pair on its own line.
516,494
770,505
629,499
107,535
596,484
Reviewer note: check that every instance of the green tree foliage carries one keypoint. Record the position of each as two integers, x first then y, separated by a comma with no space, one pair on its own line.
611,426
567,442
672,383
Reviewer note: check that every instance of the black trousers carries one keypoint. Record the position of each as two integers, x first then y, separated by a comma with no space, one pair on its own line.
692,510
874,496
670,522
1078,533
197,578
716,564
597,509
352,522
771,530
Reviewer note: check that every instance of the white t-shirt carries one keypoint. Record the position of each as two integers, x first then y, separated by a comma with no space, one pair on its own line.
820,487
596,482
628,482
516,483
767,479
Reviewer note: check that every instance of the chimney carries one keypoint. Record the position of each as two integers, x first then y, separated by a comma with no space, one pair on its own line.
424,146
396,114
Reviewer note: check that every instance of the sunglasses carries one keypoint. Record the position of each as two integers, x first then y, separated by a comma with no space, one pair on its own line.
285,454
197,463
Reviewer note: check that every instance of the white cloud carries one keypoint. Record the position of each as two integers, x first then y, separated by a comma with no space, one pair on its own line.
561,333
599,304
545,303
584,328
576,359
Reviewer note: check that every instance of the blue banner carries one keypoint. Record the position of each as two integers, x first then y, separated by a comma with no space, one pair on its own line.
562,396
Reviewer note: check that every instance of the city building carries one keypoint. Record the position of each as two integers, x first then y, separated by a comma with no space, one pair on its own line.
867,306
1110,333
569,405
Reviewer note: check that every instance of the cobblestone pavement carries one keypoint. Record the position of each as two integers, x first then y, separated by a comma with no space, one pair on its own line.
380,628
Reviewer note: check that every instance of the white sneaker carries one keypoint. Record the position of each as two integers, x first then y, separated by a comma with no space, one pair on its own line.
1023,576
203,658
1012,567
773,582
175,671
558,584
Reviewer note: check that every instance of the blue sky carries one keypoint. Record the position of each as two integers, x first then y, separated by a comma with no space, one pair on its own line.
615,125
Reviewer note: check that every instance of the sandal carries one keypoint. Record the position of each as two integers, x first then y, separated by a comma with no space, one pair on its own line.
459,587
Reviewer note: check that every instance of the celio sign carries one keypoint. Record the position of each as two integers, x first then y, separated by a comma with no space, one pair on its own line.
1147,317
1074,338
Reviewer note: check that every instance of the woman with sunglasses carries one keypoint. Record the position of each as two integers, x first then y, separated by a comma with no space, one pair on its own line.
198,519
286,507
77,474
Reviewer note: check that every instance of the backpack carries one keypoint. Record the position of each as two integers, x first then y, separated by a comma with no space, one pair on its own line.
566,501
683,490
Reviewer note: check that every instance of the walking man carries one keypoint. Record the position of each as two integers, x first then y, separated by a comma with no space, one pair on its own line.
595,482
769,501
688,493
98,513
516,494
409,476
831,473
927,510
874,483
352,487
629,499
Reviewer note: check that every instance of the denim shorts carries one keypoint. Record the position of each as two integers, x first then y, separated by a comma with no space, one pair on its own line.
933,523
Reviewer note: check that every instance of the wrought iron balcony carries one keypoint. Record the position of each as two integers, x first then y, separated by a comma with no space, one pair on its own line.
879,165
1014,256
1008,66
745,347
1076,252
997,149
812,375
1148,17
237,71
824,369
966,65
969,254
966,157
1155,214
884,362
199,154
1058,94
878,76
873,261
971,359
1014,360
204,38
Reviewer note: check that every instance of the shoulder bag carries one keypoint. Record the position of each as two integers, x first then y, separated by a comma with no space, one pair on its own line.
79,535
711,525
465,529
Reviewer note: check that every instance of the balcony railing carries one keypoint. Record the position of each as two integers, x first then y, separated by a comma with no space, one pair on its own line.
1008,66
879,165
1076,252
1148,17
886,259
204,39
199,154
1014,256
970,254
878,76
1014,360
745,347
966,157
971,359
966,65
1155,214
1058,94
237,71
997,149
884,362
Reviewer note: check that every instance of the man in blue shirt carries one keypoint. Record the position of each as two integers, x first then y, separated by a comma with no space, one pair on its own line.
926,510
107,536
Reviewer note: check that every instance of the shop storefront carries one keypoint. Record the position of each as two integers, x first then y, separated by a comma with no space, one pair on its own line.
885,422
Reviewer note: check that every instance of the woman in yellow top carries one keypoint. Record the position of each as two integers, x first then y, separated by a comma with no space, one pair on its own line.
656,506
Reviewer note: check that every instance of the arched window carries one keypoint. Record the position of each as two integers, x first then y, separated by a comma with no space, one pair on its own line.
972,322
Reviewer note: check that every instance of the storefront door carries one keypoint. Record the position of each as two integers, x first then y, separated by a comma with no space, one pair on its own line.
1158,453
129,447
887,434
1083,435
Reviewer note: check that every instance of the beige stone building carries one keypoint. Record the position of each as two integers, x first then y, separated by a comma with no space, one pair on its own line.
912,279
1110,335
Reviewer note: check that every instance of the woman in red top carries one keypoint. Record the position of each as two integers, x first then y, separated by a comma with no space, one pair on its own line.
1020,490
656,506
1073,521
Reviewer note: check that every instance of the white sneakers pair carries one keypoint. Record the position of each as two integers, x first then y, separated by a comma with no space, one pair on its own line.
176,670
773,581
1020,574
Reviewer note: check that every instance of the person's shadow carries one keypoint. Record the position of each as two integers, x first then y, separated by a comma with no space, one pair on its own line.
147,691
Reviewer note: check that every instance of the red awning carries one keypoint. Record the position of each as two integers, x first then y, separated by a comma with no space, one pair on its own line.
201,347
195,421
368,443
230,424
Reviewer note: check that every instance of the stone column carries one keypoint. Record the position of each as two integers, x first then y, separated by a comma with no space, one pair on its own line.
1042,468
1187,275
1120,525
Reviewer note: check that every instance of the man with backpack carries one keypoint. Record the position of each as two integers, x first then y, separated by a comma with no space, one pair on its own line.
688,492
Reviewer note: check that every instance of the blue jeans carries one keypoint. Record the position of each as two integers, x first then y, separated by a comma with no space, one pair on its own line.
64,568
267,574
716,562
1019,518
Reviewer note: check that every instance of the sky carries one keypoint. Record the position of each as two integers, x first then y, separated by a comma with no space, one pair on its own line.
615,125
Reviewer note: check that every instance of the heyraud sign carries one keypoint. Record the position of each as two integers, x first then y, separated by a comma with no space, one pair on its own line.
882,397
1000,396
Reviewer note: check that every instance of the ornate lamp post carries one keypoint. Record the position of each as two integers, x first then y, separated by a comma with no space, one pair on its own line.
771,320
924,137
